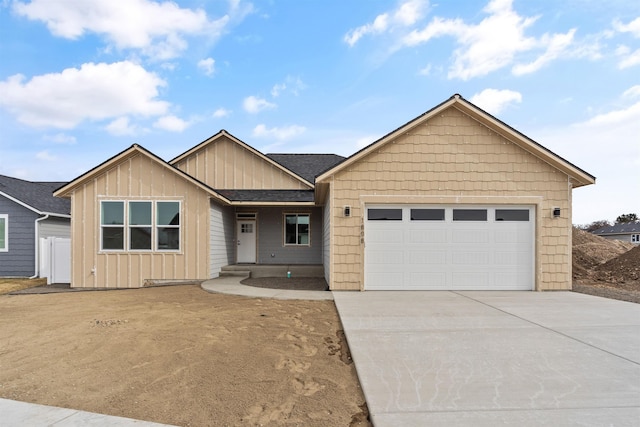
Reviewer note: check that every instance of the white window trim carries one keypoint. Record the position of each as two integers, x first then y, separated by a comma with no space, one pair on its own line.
127,227
635,238
284,229
6,232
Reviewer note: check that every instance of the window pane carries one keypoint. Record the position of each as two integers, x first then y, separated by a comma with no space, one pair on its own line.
139,213
303,229
168,213
168,238
140,238
112,213
384,214
469,214
512,214
113,238
427,214
3,231
290,230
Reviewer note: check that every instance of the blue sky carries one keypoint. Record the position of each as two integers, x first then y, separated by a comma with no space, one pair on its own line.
82,80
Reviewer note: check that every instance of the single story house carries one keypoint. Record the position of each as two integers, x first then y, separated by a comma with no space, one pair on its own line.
453,199
29,213
626,232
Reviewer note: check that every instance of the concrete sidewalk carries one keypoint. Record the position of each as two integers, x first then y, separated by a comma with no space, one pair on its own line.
494,358
231,285
14,413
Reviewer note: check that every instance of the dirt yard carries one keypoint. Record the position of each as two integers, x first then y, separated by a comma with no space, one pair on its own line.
179,355
606,268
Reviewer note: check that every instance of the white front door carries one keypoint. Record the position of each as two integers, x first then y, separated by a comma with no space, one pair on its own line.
246,242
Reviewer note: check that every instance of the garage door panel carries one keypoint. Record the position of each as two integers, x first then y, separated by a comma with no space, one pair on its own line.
471,235
437,252
421,258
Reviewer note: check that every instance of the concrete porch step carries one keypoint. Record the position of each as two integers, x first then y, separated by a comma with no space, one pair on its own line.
274,270
234,273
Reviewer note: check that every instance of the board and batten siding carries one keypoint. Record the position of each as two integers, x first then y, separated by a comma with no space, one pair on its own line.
222,245
452,159
270,244
19,260
224,164
137,177
326,238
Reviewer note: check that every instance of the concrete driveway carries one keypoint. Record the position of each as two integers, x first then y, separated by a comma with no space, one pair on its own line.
494,358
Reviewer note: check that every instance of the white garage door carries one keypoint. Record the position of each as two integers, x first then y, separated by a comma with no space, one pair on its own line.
449,247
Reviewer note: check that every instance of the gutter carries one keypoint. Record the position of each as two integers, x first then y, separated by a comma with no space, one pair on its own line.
37,246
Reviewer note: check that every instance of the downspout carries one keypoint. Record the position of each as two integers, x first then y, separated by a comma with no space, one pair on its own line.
37,257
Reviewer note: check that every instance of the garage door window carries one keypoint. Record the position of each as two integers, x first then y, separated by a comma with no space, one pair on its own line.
427,214
469,214
384,214
512,214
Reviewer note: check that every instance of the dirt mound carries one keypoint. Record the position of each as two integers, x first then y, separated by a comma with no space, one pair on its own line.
591,251
621,269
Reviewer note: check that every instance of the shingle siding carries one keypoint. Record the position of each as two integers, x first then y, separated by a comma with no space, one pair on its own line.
19,260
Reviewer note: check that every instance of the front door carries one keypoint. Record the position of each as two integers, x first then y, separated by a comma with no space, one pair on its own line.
246,242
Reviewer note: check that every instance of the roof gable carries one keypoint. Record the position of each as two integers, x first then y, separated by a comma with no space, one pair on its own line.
36,196
578,176
135,149
185,161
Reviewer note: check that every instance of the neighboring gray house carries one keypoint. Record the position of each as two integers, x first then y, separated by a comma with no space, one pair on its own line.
627,232
29,212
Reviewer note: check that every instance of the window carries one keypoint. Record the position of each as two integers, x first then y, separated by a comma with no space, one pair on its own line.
140,226
512,214
168,226
635,238
427,214
296,229
112,225
469,214
147,225
4,232
384,214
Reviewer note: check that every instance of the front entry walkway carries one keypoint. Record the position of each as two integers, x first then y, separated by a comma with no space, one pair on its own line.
494,358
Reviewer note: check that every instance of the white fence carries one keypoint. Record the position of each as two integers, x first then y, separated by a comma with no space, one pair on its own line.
55,259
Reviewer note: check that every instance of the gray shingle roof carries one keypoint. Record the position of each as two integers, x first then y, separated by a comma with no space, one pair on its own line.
38,195
308,166
268,195
624,228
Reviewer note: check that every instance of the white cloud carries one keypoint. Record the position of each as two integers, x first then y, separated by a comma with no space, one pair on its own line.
406,15
629,59
493,43
293,85
365,141
221,112
253,104
208,66
171,123
61,138
46,156
556,46
632,92
494,100
157,29
425,71
281,134
121,127
92,92
632,27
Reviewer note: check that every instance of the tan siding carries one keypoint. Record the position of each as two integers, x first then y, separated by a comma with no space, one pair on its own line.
455,157
225,164
138,178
